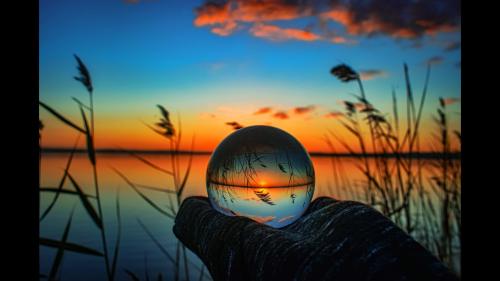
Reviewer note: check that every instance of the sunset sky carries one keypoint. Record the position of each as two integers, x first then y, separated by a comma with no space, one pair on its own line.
253,62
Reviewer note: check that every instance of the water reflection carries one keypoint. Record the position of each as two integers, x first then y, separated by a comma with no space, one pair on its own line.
276,206
135,244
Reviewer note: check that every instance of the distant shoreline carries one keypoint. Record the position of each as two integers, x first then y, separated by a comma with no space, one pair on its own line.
421,155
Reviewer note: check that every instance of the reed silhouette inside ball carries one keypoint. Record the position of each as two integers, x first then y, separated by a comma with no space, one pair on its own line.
263,173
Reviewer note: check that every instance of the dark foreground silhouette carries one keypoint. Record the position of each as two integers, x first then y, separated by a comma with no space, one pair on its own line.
333,240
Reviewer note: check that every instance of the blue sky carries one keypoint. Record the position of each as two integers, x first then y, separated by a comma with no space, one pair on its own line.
150,52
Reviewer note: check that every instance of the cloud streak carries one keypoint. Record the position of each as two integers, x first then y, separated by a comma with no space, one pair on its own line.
435,60
304,109
333,114
367,18
235,125
277,33
452,46
263,110
370,74
281,115
449,101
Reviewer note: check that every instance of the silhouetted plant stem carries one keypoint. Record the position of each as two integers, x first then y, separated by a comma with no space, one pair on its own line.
392,188
103,232
362,144
85,79
361,89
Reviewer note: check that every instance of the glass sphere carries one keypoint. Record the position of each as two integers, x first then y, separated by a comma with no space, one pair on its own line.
263,173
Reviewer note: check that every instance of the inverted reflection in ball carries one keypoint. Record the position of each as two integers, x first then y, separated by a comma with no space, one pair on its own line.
263,173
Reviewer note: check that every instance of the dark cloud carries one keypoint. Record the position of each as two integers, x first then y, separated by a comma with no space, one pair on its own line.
452,46
394,18
235,125
280,115
435,60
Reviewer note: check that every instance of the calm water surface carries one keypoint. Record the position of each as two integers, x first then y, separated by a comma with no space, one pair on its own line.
137,250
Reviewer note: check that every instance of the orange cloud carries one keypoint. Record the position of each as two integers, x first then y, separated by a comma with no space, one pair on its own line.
372,74
224,17
334,114
402,19
449,101
280,115
367,26
263,110
304,109
211,14
270,10
205,115
225,29
277,33
435,60
341,40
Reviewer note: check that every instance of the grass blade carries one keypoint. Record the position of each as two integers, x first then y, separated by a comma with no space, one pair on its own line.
69,247
117,246
155,188
149,201
176,272
60,252
162,249
60,117
90,141
419,115
158,131
61,183
186,175
86,203
80,103
132,275
154,166
353,131
63,191
146,273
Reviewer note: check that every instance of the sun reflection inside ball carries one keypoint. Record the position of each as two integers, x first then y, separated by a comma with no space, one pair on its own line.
263,173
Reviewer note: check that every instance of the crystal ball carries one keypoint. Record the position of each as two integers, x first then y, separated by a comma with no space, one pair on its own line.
263,173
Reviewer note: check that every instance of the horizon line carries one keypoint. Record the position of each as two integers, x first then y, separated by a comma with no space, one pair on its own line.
420,154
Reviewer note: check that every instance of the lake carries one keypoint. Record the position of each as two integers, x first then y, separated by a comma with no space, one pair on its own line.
138,253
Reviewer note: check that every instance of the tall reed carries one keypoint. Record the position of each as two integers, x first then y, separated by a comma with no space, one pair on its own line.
396,187
95,215
165,128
